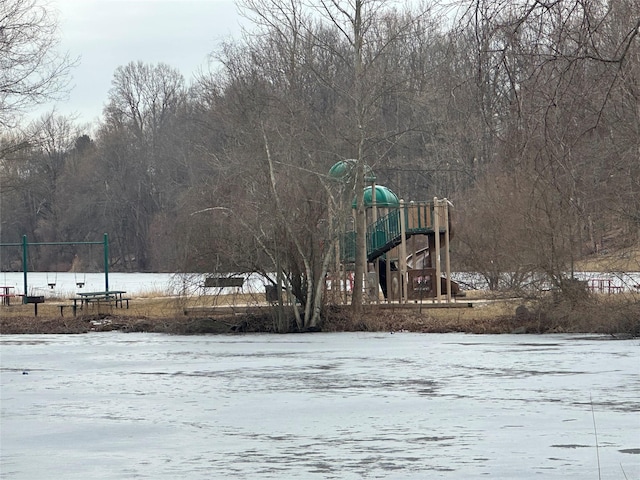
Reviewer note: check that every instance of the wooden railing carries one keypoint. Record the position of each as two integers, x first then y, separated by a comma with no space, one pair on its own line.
385,233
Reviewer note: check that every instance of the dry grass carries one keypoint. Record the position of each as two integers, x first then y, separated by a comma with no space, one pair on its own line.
600,314
608,314
621,260
144,306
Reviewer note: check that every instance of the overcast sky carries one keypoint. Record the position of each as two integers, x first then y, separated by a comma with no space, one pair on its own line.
106,34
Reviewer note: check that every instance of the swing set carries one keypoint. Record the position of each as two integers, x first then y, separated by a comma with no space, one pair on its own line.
52,282
25,263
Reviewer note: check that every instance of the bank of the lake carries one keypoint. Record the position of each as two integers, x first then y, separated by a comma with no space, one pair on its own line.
610,315
159,302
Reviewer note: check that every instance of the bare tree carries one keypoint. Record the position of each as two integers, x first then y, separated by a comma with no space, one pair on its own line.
32,185
368,45
272,156
32,71
306,88
140,155
558,75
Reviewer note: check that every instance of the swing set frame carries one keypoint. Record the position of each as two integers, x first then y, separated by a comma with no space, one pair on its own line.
25,258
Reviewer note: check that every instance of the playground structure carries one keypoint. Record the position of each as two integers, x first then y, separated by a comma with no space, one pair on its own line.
405,246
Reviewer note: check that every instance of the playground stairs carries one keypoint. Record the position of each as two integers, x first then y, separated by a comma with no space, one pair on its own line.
385,233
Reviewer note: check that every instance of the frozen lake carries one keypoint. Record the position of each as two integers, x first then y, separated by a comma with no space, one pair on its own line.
319,406
65,284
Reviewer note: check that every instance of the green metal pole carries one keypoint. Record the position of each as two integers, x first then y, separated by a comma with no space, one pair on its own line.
106,262
24,266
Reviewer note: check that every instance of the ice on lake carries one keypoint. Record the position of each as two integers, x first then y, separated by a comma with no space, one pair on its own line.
319,406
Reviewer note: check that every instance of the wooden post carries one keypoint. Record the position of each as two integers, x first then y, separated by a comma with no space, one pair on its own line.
403,254
388,275
447,256
413,251
436,227
374,218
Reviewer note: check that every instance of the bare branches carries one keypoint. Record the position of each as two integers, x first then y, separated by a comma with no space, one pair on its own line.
31,70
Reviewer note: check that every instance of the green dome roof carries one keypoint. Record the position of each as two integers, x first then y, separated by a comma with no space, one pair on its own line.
384,198
341,171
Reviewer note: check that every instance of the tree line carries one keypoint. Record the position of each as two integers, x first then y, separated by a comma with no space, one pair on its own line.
526,115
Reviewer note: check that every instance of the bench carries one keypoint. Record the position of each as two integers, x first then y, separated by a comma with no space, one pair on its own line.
5,298
79,303
222,282
120,300
74,306
105,300
6,295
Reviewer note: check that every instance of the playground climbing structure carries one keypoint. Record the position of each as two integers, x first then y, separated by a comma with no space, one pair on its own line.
407,252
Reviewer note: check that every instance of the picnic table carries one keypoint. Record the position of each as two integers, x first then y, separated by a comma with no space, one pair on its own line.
6,294
115,297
